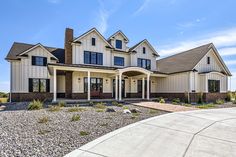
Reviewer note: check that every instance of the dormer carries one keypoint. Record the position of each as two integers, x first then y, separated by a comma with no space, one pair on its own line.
119,41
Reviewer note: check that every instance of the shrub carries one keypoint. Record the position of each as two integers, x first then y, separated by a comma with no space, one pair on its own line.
100,105
91,103
43,120
162,101
100,110
220,101
200,98
73,109
75,117
120,105
83,133
62,104
158,99
115,103
229,96
186,97
126,108
206,106
176,101
54,108
35,105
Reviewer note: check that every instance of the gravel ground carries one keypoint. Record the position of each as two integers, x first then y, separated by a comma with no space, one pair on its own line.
22,135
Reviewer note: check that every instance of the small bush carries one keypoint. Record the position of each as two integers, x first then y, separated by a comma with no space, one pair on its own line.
43,120
120,105
83,133
100,105
126,108
62,104
162,101
115,103
54,108
75,117
73,109
200,98
35,105
206,106
187,105
158,99
229,96
176,101
91,103
220,101
100,110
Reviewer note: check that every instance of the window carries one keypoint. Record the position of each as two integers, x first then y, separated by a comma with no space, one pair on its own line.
39,85
144,50
213,86
208,60
119,61
93,41
93,58
118,44
144,63
96,85
39,61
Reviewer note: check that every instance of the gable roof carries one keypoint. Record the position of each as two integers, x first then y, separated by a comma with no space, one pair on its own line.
187,60
90,31
145,40
19,48
118,32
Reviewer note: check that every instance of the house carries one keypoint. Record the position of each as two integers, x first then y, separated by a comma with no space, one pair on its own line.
92,67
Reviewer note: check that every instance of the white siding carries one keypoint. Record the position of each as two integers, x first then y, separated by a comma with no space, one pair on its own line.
176,83
61,84
23,70
121,54
119,37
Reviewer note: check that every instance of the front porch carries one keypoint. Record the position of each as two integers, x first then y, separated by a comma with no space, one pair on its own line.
96,84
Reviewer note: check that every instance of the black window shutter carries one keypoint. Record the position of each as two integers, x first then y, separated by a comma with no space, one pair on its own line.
44,61
48,85
33,60
30,85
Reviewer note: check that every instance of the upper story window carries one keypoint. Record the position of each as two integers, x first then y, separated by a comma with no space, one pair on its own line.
39,61
119,61
93,58
144,50
144,63
39,85
93,41
208,60
118,44
213,86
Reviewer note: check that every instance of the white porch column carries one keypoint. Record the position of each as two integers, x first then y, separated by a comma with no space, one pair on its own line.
89,85
148,91
54,84
143,88
120,93
116,88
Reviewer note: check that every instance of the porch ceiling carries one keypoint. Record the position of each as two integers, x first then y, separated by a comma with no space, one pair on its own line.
132,73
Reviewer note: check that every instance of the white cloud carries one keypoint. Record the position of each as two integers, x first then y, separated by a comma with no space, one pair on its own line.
142,7
189,24
102,19
228,51
221,39
230,62
5,86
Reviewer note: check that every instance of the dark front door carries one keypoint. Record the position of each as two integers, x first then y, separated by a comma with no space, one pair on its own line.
140,86
122,88
96,87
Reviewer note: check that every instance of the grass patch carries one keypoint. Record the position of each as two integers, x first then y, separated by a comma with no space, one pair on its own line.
162,101
3,100
120,105
187,105
220,101
43,132
83,133
75,117
206,106
136,114
76,109
54,108
43,120
100,105
100,110
115,103
126,108
62,104
153,111
35,105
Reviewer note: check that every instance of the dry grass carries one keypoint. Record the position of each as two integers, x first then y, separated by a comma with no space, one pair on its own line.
3,100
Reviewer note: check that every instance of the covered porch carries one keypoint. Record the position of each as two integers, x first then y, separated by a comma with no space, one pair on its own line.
91,83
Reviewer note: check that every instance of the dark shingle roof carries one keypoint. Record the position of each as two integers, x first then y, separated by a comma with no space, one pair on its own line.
18,48
184,61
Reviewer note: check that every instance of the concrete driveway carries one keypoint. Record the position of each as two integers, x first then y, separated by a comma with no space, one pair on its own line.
200,133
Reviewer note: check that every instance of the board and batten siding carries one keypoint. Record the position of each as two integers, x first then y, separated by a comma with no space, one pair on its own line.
86,45
175,83
119,37
23,70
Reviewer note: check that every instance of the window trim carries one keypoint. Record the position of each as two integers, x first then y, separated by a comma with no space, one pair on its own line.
216,86
90,58
123,61
33,60
30,84
117,40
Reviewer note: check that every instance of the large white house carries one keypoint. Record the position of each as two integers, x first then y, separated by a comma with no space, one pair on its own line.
92,67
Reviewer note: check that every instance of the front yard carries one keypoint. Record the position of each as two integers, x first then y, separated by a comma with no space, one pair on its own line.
57,131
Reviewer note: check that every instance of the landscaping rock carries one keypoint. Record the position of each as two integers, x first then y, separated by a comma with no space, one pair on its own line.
110,110
126,111
135,110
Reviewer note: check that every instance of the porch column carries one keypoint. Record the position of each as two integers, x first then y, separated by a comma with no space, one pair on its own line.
143,88
120,81
148,91
54,84
88,85
116,88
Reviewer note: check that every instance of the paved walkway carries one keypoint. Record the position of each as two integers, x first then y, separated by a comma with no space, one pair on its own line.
164,107
200,133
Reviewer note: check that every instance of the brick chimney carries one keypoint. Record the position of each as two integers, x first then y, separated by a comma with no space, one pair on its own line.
68,60
68,47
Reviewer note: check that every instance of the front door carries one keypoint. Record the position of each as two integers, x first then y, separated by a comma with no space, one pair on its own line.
140,86
122,88
96,87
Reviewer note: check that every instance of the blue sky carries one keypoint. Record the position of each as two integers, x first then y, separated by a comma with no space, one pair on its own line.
171,26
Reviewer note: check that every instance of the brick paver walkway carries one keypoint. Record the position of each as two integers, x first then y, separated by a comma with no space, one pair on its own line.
164,107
